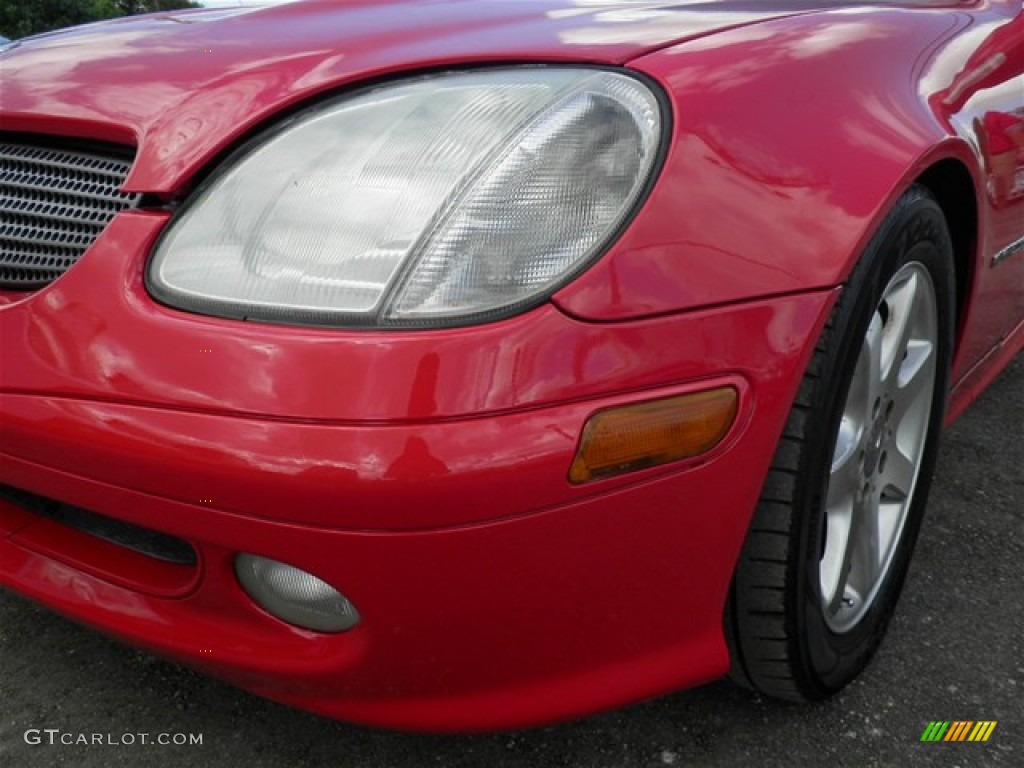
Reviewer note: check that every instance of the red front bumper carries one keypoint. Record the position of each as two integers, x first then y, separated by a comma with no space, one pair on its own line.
508,623
492,592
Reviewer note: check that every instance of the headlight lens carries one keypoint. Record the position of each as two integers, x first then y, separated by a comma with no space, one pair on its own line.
449,198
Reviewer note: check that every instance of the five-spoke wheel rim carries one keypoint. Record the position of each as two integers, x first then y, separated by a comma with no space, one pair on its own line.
879,446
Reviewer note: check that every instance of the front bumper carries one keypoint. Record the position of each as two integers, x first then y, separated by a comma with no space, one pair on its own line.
509,623
492,592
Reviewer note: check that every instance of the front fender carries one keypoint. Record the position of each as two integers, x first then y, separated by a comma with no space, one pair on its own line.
791,140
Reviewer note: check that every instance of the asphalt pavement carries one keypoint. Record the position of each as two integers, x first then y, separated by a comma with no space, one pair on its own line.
954,652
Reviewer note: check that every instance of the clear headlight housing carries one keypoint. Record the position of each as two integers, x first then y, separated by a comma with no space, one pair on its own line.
442,200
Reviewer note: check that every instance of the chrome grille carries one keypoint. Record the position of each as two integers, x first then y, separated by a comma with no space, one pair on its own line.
53,204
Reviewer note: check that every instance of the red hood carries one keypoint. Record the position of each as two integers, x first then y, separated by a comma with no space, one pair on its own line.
182,86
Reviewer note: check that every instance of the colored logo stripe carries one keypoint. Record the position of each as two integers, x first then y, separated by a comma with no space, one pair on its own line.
982,730
958,730
935,730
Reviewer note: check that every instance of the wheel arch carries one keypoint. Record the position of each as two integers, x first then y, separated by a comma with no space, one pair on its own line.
951,184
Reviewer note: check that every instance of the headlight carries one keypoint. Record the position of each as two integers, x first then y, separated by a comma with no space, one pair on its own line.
457,197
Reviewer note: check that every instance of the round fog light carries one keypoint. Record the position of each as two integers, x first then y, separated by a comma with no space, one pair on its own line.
295,596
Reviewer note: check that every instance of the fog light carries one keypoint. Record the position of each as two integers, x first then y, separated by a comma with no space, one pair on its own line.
295,596
632,437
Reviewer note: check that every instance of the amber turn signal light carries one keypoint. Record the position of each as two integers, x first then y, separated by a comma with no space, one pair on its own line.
618,440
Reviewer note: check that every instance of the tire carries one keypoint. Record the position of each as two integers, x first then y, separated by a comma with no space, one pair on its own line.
832,535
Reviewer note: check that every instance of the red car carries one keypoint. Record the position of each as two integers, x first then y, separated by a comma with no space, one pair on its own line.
459,365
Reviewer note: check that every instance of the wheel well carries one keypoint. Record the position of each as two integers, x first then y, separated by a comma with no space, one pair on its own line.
950,183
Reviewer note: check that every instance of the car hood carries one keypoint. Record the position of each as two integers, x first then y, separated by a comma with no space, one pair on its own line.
183,86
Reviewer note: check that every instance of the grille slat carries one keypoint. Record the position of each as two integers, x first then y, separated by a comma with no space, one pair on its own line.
22,254
90,191
69,159
28,202
54,203
89,194
51,265
46,235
